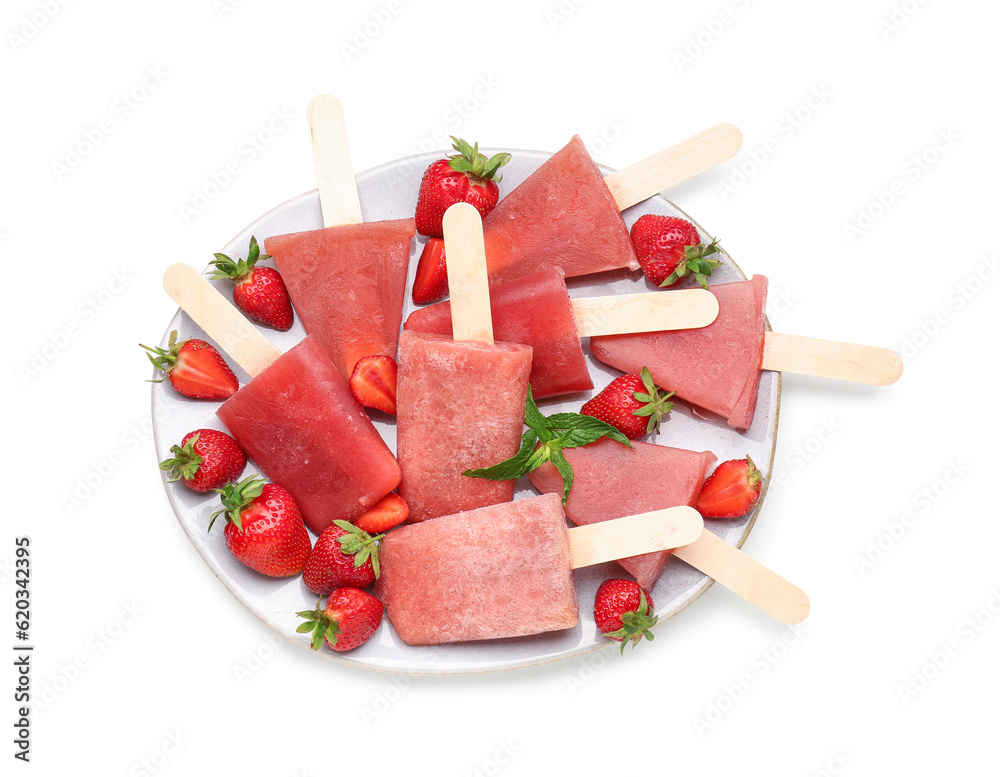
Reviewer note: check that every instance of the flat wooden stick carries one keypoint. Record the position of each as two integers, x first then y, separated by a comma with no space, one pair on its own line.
674,165
830,359
633,535
468,282
219,319
651,311
745,576
338,190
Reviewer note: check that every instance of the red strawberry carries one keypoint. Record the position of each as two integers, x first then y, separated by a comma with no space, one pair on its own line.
632,404
350,617
206,460
373,382
259,291
669,248
431,281
731,491
343,555
387,512
194,368
623,611
465,177
264,527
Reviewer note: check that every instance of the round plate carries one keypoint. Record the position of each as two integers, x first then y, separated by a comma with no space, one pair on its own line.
390,192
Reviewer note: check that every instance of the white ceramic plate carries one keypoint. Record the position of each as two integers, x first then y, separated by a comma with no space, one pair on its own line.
390,192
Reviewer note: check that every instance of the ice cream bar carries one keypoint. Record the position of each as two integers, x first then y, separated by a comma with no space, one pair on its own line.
504,570
536,310
566,214
605,474
347,281
460,400
297,418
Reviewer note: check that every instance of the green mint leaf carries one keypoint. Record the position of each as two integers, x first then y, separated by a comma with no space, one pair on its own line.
511,468
534,419
561,464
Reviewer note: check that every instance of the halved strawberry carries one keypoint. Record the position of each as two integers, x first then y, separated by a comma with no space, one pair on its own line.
387,512
431,281
194,368
731,491
373,383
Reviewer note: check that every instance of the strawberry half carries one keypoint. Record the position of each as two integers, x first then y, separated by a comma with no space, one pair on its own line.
623,611
465,177
258,291
731,491
386,513
669,248
349,619
344,555
194,368
206,460
430,283
373,383
632,404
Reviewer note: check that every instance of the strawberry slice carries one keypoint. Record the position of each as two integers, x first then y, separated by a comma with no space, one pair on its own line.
387,512
194,368
373,383
731,491
430,284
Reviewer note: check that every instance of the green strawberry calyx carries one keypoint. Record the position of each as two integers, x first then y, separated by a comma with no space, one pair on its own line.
320,624
237,269
360,544
636,624
753,474
697,263
469,160
164,359
237,497
657,404
185,462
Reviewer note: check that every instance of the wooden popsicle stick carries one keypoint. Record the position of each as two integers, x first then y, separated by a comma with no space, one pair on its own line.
338,189
633,535
468,282
830,359
673,165
651,311
219,319
747,577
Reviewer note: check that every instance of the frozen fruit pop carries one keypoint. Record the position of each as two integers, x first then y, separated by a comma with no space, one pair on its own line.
460,401
612,480
567,214
505,570
536,310
347,281
718,367
297,418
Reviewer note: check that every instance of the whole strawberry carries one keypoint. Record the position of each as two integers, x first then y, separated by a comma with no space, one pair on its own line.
206,460
669,248
465,177
264,527
731,491
258,291
350,617
632,404
623,611
343,555
194,368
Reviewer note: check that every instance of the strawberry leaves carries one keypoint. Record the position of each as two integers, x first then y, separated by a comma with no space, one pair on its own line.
471,161
237,269
697,263
657,404
544,441
360,544
320,624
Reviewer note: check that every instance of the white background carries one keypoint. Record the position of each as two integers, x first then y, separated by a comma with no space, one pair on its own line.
144,664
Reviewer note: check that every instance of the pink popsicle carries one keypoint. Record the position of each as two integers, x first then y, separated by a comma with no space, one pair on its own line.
605,481
716,367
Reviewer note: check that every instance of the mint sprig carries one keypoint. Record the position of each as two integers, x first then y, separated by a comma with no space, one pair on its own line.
544,441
